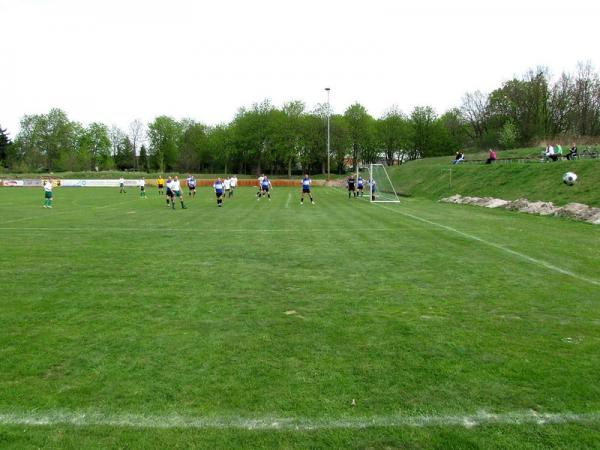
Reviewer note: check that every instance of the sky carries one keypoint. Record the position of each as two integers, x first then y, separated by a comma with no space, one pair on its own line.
115,61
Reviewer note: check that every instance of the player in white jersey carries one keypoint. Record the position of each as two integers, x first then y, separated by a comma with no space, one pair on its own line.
143,188
265,187
48,194
227,184
121,185
176,190
191,182
260,183
234,182
306,181
169,192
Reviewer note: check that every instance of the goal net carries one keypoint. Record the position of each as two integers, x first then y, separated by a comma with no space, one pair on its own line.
380,186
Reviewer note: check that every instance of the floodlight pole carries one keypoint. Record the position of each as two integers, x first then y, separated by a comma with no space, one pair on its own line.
328,136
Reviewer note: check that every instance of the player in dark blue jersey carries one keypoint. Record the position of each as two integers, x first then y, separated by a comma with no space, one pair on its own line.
191,183
266,186
219,187
306,181
373,185
360,184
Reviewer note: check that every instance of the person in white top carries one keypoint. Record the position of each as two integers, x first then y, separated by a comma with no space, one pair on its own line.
169,184
143,188
176,191
48,194
234,182
122,185
260,184
227,183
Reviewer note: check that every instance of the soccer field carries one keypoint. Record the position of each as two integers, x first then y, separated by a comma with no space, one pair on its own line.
270,324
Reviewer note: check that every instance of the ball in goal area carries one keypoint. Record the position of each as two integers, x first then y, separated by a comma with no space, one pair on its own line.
379,185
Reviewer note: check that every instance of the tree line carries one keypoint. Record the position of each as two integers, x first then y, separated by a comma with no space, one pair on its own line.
291,139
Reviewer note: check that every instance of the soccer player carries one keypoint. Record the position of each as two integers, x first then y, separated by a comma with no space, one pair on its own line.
234,182
47,193
122,185
360,185
306,189
351,189
373,185
260,181
176,190
143,188
266,187
169,192
160,183
191,182
218,186
227,184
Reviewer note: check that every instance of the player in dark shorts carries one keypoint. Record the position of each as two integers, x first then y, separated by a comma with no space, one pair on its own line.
306,181
219,187
360,186
351,186
191,183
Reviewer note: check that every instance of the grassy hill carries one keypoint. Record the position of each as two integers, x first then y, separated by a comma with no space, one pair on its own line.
436,178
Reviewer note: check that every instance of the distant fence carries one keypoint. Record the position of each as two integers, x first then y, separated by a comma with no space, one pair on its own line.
67,182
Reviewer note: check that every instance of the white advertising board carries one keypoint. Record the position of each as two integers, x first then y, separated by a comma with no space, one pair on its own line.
96,183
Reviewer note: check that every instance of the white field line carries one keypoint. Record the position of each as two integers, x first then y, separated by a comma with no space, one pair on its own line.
88,419
161,229
61,212
287,203
536,261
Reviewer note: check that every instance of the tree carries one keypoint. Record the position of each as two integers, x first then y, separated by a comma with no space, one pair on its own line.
393,135
194,154
43,138
422,121
475,110
96,142
360,128
292,132
4,147
124,158
252,135
508,135
164,135
143,160
136,136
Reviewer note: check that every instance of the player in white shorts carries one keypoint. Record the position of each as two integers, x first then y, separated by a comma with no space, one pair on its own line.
234,182
260,183
227,185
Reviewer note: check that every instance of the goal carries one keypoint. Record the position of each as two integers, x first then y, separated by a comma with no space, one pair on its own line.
380,186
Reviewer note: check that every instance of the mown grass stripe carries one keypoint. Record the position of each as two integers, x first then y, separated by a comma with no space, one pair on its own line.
528,258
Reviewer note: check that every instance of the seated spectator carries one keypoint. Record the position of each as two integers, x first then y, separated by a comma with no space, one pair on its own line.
458,158
549,153
491,157
573,153
558,151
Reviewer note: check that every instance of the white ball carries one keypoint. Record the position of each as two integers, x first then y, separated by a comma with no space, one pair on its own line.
570,178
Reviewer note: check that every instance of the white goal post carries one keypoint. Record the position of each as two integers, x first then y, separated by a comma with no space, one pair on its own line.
381,189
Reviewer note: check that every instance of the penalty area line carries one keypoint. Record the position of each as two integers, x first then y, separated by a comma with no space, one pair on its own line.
89,419
528,258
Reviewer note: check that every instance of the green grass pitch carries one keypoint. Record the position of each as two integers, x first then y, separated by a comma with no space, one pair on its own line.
125,324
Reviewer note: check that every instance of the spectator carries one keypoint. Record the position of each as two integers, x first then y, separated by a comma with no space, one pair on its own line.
458,158
558,151
491,157
549,154
573,153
